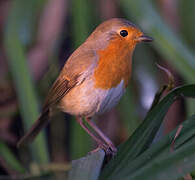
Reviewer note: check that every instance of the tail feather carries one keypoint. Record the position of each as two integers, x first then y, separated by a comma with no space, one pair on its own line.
35,129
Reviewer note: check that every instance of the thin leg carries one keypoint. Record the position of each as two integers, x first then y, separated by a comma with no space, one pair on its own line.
102,135
99,141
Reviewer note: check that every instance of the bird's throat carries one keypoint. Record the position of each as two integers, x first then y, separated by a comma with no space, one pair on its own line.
114,65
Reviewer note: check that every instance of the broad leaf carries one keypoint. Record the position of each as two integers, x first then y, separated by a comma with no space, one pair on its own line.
145,133
161,161
87,168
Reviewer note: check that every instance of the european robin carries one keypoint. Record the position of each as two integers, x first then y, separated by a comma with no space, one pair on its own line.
93,79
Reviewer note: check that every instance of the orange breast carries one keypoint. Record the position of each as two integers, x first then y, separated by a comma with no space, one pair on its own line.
114,65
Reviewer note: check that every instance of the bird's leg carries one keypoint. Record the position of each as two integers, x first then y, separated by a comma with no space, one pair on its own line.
102,135
100,143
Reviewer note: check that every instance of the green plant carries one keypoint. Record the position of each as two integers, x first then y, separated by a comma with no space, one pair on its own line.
140,158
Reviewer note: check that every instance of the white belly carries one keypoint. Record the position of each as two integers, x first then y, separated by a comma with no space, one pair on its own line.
85,100
110,98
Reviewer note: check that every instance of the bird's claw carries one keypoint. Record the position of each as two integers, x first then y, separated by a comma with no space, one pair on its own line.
109,150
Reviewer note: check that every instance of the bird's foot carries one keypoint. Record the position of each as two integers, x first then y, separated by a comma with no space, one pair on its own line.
112,148
109,150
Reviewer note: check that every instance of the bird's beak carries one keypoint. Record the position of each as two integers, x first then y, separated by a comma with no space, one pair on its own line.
144,38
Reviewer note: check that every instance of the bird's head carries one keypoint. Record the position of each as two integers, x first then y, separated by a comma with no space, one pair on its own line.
118,31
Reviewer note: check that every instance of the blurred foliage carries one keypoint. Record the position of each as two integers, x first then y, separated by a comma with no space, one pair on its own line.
187,13
136,158
18,66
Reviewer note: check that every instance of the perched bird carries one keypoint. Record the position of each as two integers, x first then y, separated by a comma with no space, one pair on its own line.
93,79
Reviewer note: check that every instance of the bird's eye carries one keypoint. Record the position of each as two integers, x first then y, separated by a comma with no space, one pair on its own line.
123,33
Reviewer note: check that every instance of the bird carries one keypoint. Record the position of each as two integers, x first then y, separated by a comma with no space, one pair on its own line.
93,79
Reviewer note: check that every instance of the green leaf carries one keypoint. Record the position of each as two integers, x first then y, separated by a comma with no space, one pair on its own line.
87,168
187,26
161,162
145,133
10,158
127,111
25,89
82,18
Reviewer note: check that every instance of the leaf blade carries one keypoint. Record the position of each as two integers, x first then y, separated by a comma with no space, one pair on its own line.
87,168
143,136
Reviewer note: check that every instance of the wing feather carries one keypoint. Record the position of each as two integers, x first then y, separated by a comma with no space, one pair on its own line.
70,75
59,89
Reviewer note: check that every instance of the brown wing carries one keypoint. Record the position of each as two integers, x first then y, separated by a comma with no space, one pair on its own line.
60,88
68,78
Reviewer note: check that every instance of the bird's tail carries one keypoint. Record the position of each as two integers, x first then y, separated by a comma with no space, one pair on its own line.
35,129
